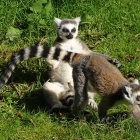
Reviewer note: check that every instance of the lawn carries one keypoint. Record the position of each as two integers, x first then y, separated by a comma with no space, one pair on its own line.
108,26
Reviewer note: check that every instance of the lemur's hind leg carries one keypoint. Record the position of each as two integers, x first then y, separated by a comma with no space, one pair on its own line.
51,92
80,86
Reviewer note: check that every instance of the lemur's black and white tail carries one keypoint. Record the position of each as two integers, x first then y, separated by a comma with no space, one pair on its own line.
37,52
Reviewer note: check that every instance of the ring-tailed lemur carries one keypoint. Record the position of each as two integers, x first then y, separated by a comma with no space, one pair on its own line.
61,72
105,78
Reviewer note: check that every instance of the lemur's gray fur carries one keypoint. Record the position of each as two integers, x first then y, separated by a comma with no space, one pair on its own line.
56,90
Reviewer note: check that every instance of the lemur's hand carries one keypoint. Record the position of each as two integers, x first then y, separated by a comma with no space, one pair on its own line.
115,62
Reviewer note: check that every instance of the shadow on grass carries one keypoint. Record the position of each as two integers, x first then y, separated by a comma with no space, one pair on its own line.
34,102
24,75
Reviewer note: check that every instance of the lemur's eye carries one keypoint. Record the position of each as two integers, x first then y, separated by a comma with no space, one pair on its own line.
73,30
138,98
65,30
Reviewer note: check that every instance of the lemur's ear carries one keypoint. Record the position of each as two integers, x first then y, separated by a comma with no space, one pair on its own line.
57,21
78,19
135,81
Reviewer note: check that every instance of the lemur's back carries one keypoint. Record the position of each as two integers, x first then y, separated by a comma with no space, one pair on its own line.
105,77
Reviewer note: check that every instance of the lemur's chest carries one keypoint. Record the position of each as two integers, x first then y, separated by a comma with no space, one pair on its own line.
63,72
72,45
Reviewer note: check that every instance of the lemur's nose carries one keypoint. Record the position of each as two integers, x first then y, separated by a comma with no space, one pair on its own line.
70,36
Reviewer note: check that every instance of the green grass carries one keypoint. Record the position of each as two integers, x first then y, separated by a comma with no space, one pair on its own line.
108,26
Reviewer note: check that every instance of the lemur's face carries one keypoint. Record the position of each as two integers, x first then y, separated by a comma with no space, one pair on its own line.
68,31
67,28
132,93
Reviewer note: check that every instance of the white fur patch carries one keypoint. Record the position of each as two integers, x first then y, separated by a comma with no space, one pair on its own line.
129,92
51,53
12,67
128,89
17,59
54,87
27,53
135,82
73,45
62,55
8,74
39,51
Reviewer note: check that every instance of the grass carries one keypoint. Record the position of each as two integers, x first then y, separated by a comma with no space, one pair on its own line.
108,26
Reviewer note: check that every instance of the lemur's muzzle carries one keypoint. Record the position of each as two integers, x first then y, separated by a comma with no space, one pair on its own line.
70,36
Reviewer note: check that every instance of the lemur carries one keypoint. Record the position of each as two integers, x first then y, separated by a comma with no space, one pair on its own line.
57,91
91,68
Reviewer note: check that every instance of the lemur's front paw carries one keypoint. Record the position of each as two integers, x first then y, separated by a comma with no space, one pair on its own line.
93,104
116,62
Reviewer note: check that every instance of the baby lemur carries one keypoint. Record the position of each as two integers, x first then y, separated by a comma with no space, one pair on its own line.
57,90
94,68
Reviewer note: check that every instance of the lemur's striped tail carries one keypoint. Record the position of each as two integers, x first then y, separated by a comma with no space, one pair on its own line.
37,52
